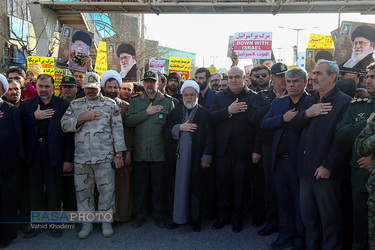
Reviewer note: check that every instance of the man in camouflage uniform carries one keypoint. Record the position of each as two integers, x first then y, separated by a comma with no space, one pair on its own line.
148,113
354,120
99,139
365,147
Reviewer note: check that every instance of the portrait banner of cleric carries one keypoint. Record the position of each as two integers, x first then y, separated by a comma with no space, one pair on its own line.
126,53
363,38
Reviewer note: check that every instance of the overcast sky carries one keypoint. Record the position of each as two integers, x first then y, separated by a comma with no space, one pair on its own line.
207,35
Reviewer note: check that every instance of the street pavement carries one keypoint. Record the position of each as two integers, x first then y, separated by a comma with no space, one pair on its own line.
149,236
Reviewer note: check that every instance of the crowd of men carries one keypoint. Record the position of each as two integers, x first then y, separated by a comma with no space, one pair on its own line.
278,142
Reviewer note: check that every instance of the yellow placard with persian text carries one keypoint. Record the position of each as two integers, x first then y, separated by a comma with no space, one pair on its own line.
293,66
180,65
318,41
101,58
58,79
212,69
48,63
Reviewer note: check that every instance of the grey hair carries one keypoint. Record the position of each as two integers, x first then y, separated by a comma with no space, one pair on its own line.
333,68
297,72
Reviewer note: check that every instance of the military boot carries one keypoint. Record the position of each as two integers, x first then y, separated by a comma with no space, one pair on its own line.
107,229
85,231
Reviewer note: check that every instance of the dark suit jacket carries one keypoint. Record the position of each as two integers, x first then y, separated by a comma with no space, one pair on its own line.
236,128
60,144
274,121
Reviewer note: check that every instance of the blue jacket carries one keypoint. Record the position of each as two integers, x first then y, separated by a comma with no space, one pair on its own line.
273,121
317,145
60,144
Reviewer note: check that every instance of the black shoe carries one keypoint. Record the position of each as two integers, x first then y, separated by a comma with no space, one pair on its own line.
257,222
196,226
117,223
32,233
268,231
25,228
160,222
237,226
281,244
219,224
172,225
56,232
137,223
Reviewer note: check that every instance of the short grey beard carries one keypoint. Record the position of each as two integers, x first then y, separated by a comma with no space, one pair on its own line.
191,105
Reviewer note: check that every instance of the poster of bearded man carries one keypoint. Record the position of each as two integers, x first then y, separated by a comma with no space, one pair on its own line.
122,59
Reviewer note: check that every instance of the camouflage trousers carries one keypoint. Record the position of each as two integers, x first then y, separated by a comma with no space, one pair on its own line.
371,209
85,178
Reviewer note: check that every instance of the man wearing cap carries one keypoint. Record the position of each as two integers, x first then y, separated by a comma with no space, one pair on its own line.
173,86
48,150
319,159
99,140
147,114
187,126
68,88
363,38
268,94
111,83
126,54
353,121
230,113
11,150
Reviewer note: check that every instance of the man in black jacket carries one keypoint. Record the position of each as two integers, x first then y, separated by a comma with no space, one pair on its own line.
318,157
230,113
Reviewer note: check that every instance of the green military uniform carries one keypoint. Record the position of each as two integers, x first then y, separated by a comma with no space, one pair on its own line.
96,142
148,151
354,120
365,146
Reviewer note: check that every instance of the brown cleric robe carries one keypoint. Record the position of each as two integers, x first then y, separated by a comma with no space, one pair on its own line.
124,176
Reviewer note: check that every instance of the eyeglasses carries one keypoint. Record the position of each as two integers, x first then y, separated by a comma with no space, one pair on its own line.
264,75
360,43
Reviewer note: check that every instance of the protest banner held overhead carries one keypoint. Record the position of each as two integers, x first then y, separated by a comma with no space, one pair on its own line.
48,63
180,65
319,41
212,69
101,58
253,45
157,65
79,42
58,79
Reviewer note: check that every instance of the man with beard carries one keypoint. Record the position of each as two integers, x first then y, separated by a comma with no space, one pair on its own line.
11,152
215,81
223,83
18,74
363,38
231,112
48,150
99,140
309,86
192,137
173,85
206,95
126,54
68,88
13,95
111,83
147,114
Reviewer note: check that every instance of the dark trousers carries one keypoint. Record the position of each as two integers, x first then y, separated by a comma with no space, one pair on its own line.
23,195
259,209
45,181
272,219
360,220
8,208
321,212
209,192
287,191
231,184
145,172
68,197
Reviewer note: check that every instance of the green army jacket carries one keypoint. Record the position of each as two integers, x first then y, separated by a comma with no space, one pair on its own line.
148,142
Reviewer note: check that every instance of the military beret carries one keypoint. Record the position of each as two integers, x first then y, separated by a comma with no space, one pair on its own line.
125,48
365,31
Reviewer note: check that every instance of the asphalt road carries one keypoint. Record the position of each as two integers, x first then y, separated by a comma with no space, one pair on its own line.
149,236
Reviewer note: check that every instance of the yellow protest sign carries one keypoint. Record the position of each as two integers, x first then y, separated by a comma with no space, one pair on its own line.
58,79
180,65
101,58
212,69
318,41
293,66
48,63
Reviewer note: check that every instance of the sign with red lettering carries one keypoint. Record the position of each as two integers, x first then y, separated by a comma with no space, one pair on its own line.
157,65
253,45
